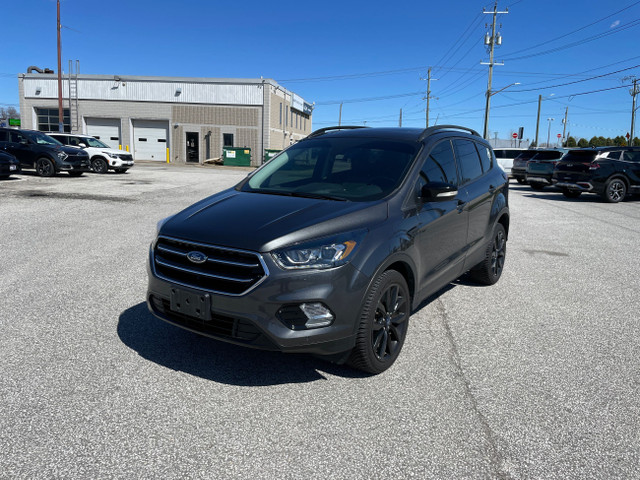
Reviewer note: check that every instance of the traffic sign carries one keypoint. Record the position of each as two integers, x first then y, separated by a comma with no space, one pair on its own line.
559,135
514,135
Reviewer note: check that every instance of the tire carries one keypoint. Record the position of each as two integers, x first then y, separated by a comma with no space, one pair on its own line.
537,186
614,191
571,193
490,269
521,181
99,165
45,167
75,174
384,320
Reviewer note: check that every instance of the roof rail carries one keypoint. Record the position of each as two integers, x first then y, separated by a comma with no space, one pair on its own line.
326,129
435,128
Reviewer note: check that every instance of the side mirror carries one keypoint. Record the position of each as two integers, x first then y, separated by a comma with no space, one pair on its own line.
24,141
438,192
82,144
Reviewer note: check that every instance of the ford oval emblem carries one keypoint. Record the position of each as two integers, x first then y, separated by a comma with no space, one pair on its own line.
196,257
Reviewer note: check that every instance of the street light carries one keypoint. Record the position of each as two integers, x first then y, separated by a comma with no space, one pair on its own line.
549,130
486,111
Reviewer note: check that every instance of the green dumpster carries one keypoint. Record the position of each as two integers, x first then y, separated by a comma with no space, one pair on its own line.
238,157
269,153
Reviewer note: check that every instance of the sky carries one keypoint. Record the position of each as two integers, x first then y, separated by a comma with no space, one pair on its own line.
371,56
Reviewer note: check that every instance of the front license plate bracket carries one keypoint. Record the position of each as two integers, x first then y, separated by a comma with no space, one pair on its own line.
192,304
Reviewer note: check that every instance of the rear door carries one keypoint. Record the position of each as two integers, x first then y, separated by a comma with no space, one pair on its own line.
21,148
476,180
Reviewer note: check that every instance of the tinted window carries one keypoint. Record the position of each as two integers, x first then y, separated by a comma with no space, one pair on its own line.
613,155
628,156
17,137
548,155
486,158
4,136
527,154
468,160
440,165
502,153
584,156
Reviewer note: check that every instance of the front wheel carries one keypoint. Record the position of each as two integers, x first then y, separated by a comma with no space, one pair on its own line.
45,167
489,270
615,190
99,165
384,320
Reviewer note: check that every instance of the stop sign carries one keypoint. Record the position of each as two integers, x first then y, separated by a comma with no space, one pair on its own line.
514,135
559,135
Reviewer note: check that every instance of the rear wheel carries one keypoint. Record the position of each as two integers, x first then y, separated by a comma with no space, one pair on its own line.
537,186
45,167
384,320
571,193
489,270
615,190
99,165
521,181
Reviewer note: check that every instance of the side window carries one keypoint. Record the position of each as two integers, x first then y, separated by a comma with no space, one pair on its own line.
16,137
486,158
468,160
629,156
613,155
440,165
4,136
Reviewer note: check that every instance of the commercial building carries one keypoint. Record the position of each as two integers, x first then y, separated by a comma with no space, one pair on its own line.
168,118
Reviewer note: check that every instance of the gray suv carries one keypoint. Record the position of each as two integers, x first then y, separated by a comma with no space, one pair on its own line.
330,246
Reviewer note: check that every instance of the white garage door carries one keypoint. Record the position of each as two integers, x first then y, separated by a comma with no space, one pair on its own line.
150,139
105,129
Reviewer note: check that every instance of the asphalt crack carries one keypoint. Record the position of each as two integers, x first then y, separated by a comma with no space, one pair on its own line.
495,458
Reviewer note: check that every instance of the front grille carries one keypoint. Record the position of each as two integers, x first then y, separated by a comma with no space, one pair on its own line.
124,156
219,325
226,271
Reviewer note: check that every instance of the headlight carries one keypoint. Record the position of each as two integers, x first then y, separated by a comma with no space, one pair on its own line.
112,155
321,253
62,155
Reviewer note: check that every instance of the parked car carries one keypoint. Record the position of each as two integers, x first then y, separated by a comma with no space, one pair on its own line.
539,169
9,165
103,158
46,155
519,166
330,245
505,157
611,172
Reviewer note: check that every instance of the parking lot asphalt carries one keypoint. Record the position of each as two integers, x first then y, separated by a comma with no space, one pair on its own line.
535,377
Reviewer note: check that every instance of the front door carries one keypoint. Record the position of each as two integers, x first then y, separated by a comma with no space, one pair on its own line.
193,147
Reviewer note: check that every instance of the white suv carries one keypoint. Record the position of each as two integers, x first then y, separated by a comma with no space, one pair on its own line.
102,157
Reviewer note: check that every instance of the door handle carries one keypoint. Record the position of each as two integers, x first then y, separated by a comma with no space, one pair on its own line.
492,189
460,206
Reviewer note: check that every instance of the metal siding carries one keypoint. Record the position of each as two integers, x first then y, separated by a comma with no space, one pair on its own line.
226,94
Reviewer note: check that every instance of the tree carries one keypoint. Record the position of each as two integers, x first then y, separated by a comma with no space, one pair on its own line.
583,143
620,141
9,112
571,142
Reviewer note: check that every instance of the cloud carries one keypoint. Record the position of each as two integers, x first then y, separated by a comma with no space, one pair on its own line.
615,24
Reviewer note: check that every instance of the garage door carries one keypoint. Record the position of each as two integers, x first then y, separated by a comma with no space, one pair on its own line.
150,139
105,129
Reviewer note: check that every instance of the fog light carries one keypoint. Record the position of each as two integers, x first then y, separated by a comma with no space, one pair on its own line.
317,315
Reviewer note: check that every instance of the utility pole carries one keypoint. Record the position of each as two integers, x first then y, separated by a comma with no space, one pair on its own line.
340,115
491,41
538,120
400,120
564,128
633,93
549,131
60,109
428,97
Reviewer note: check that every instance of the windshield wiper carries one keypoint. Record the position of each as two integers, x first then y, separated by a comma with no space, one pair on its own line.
320,196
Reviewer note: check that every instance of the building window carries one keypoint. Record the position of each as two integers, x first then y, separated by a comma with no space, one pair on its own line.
297,116
227,139
280,113
286,116
48,119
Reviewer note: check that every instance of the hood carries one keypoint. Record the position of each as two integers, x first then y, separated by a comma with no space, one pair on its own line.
75,151
262,223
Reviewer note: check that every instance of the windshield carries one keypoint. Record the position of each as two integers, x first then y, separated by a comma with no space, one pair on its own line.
527,154
42,139
93,142
356,169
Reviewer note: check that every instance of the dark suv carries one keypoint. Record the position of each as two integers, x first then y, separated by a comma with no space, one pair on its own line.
46,155
330,246
611,172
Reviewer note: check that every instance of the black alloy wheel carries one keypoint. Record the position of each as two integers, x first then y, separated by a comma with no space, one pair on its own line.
99,165
45,168
490,269
384,321
615,190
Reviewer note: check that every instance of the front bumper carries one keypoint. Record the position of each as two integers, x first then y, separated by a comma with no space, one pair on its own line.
252,319
75,165
119,163
10,169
